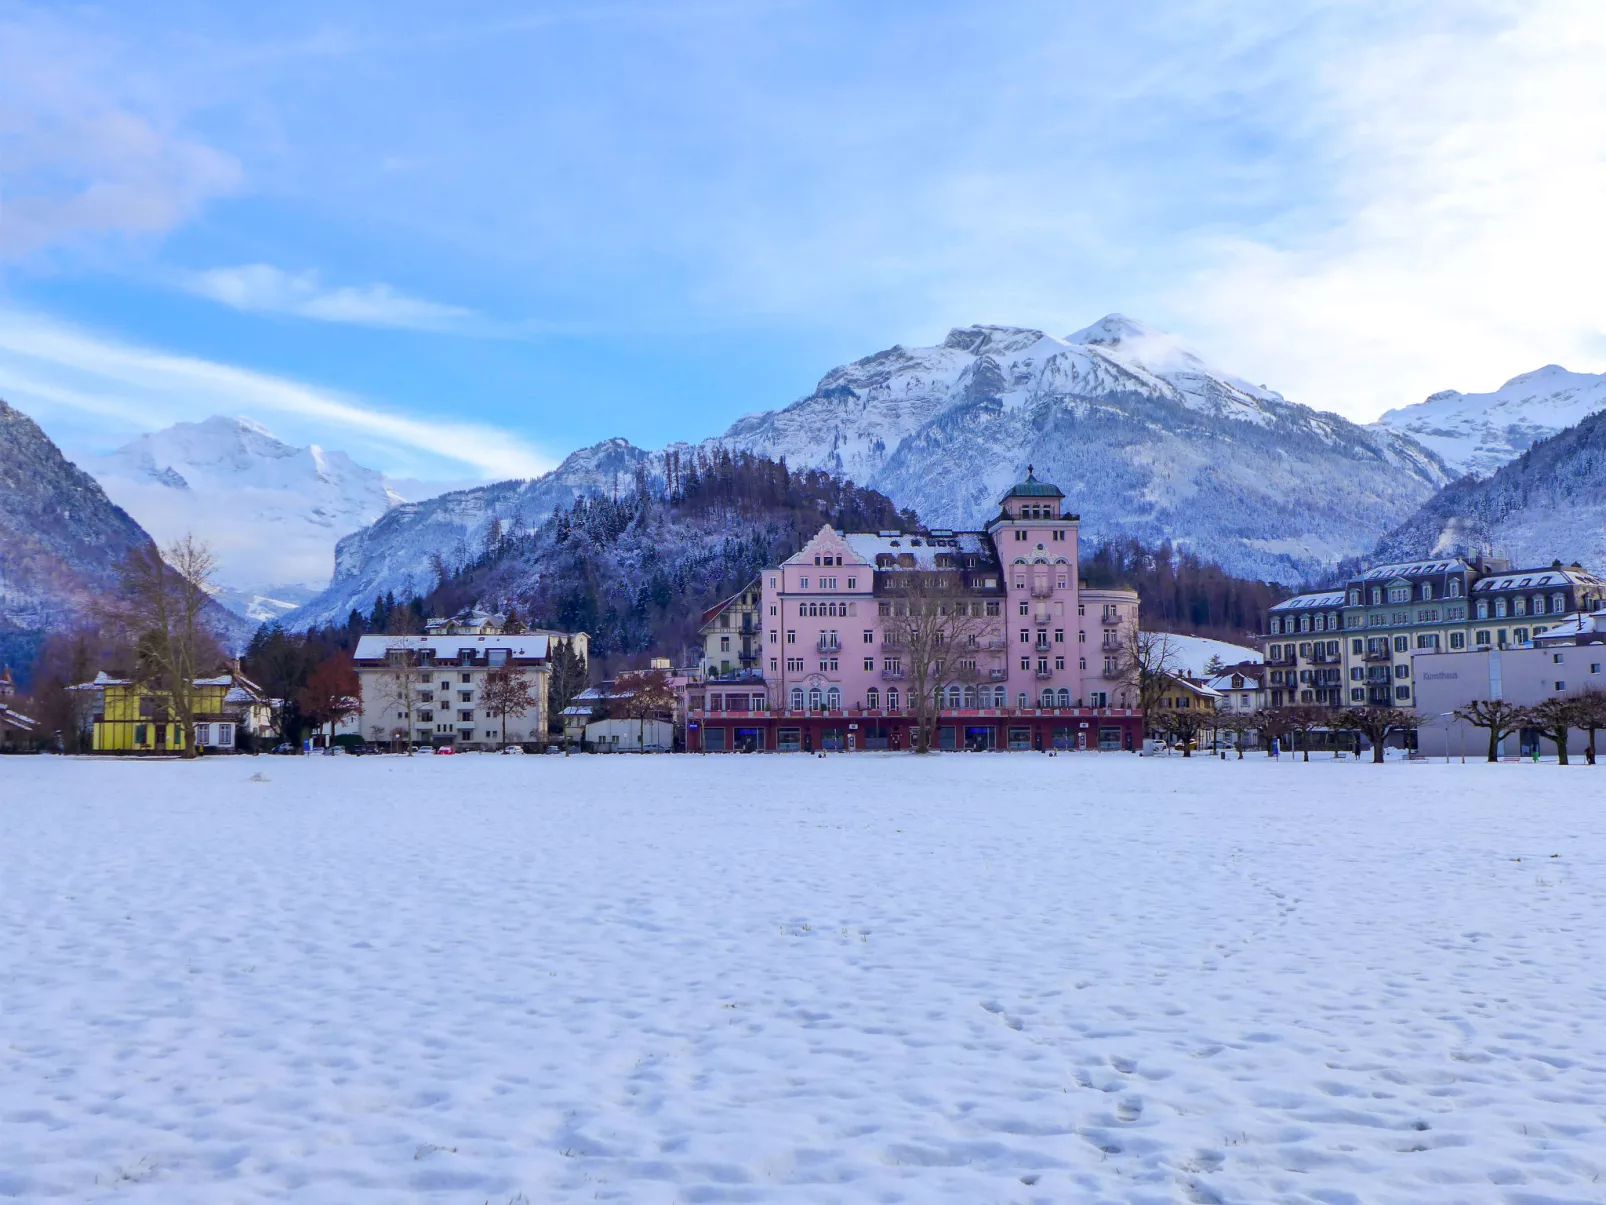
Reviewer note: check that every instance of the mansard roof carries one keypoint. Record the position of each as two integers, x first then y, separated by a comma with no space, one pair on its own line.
1413,569
1311,602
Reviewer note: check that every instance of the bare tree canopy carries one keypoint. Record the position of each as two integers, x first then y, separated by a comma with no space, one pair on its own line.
939,633
333,693
162,603
1148,663
1498,716
505,692
1377,724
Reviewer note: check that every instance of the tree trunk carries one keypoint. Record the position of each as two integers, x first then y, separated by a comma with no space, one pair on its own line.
1377,751
1589,749
1494,743
1560,738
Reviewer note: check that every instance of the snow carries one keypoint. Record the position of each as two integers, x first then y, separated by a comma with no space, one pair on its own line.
868,978
1479,432
1192,653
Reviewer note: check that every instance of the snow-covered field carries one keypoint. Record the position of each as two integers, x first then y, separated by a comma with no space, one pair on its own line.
974,978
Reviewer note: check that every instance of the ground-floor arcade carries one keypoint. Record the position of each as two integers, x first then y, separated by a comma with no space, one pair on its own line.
986,730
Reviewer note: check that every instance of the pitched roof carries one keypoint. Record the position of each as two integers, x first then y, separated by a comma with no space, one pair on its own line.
520,648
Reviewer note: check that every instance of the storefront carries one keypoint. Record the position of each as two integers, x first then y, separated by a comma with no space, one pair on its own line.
1104,729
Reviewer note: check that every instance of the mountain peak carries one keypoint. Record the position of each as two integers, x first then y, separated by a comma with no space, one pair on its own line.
1114,329
981,339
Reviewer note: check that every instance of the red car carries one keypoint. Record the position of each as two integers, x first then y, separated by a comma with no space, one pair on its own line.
444,750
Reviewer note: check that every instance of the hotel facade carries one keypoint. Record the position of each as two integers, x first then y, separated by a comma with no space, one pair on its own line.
1037,664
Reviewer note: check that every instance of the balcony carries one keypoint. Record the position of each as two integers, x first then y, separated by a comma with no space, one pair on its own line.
1113,646
997,642
892,675
1113,673
892,640
1281,660
997,675
1043,646
1044,673
1110,617
829,644
1378,655
1042,590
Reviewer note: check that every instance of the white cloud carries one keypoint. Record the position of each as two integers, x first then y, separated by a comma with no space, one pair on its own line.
1468,245
264,289
86,155
80,377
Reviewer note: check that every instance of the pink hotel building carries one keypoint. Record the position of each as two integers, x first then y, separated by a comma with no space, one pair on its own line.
1046,673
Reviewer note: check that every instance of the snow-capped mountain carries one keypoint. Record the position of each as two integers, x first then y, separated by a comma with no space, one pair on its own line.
1479,432
62,541
61,538
1547,504
404,551
271,511
1145,438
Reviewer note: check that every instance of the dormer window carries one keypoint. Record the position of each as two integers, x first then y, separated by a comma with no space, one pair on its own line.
1427,591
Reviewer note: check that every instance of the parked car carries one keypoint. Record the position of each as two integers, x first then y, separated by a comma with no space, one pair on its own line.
444,751
511,749
365,749
287,747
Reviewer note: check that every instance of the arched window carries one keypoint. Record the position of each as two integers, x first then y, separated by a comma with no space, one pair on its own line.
872,699
814,698
1065,697
955,696
1483,609
797,698
1048,697
970,696
1539,604
1427,591
1021,700
833,699
892,698
1000,697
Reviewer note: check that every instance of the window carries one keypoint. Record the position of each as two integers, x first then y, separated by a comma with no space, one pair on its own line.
1059,662
833,699
774,664
791,636
1458,640
1402,671
869,665
797,698
1059,635
1399,594
993,608
869,636
1594,667
1357,694
892,698
225,736
794,665
1355,647
828,583
1081,637
1402,644
1025,633
1020,700
1561,686
1483,637
1558,603
774,636
803,582
724,644
1402,693
1377,595
1427,591
203,734
815,699
1427,640
872,697
853,583
1023,606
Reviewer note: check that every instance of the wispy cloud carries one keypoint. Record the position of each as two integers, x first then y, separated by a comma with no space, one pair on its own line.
86,157
78,374
264,289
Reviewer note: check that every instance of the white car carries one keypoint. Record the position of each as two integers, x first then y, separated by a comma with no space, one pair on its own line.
512,749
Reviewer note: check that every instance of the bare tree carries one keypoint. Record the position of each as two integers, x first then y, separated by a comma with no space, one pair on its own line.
1555,719
399,686
162,602
505,692
1377,724
1148,663
1273,725
1591,717
1182,725
1237,724
643,695
333,693
1498,716
940,633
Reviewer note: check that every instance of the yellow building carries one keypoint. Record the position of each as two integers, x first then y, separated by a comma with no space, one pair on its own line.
133,717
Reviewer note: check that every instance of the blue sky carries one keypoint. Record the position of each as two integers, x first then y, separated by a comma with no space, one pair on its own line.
464,240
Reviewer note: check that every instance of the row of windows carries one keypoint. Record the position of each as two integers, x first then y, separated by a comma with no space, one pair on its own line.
827,583
1519,606
830,698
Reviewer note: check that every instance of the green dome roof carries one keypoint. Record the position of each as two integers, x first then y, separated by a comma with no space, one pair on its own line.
1033,488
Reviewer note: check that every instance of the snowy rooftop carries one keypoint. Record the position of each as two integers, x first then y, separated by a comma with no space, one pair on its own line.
924,548
521,648
1311,602
1412,569
1523,579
